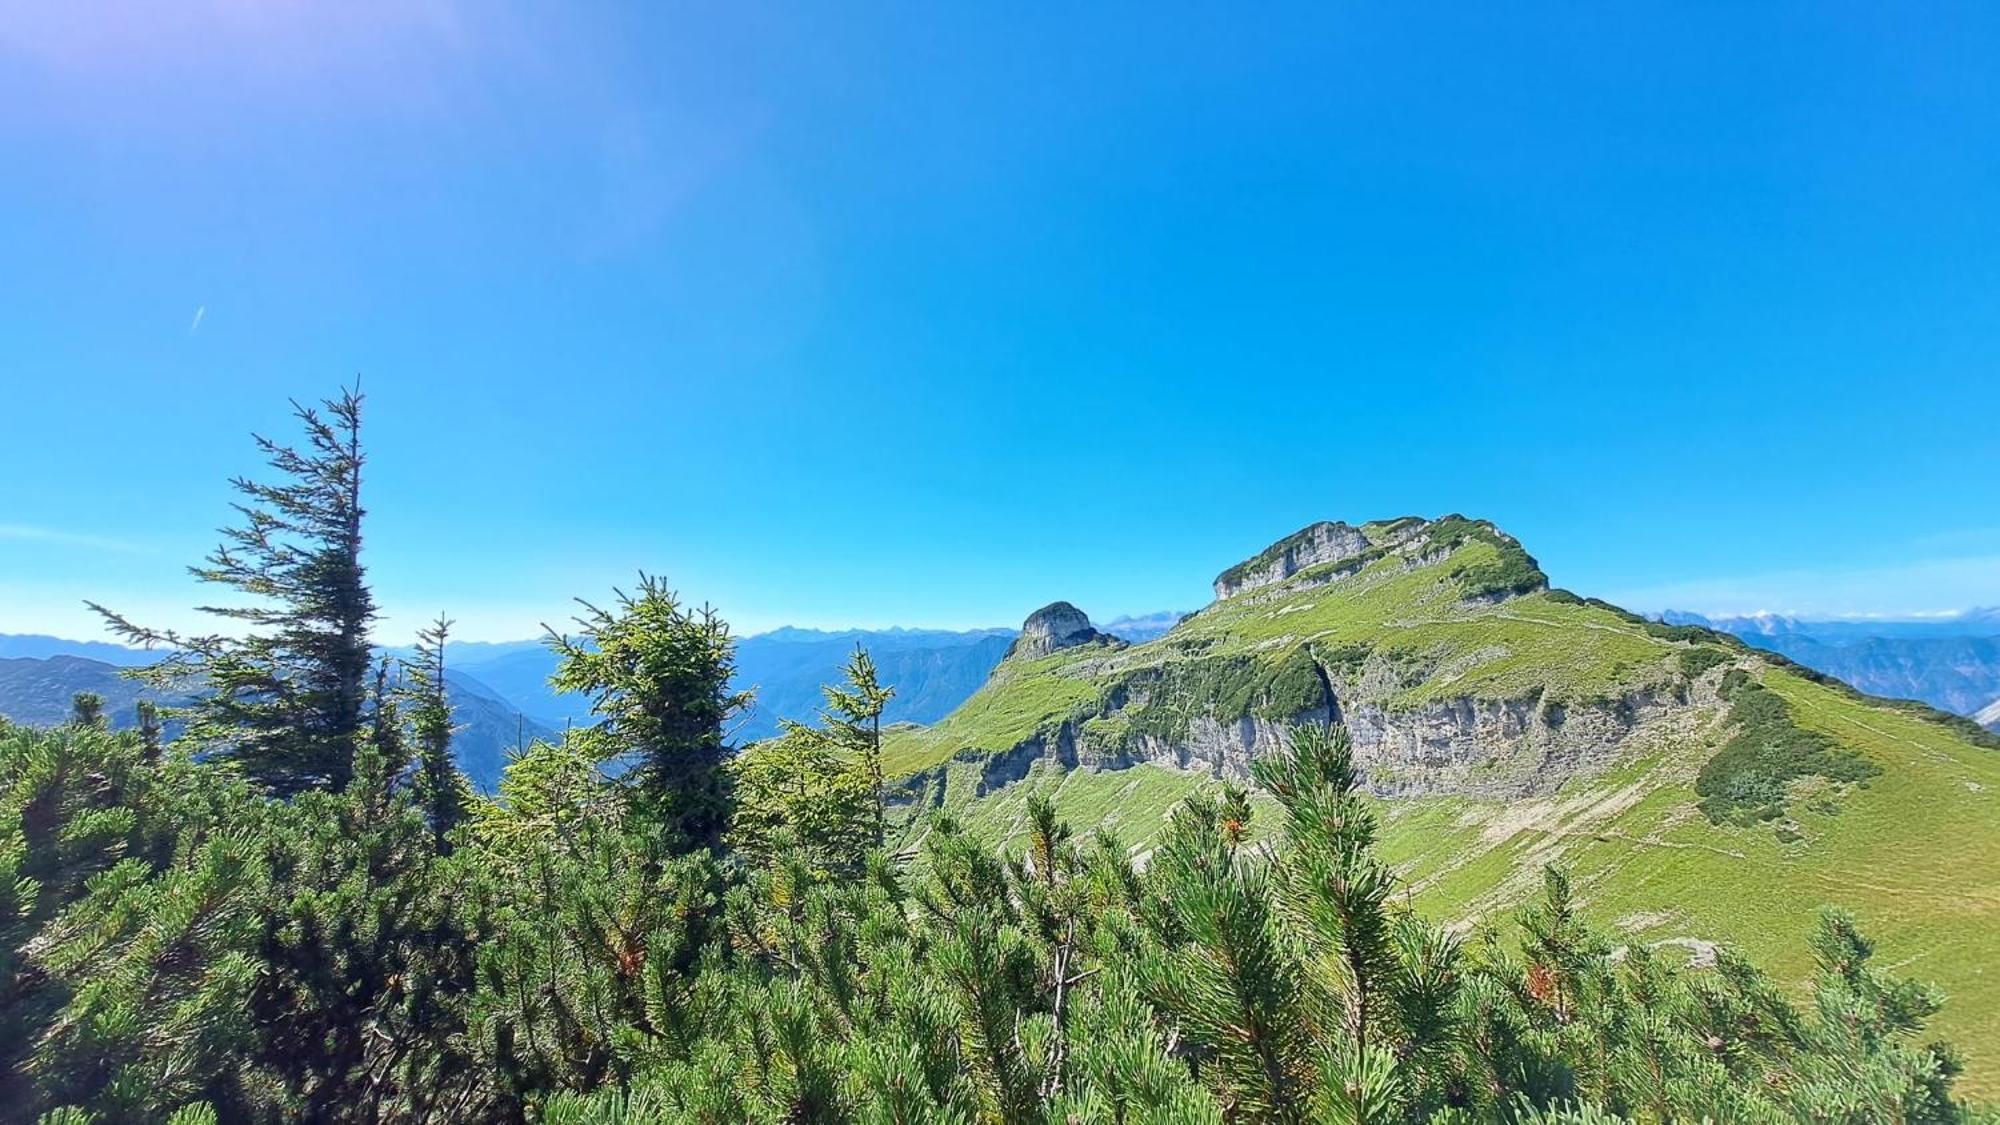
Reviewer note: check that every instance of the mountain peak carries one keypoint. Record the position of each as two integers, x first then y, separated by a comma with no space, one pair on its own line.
1317,544
1054,626
1333,544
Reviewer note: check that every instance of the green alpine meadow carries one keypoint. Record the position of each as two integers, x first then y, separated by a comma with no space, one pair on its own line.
1699,794
1390,831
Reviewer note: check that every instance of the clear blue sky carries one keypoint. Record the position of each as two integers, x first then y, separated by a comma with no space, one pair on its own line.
845,314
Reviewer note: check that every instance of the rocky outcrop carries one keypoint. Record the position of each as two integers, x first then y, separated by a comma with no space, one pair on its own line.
1989,716
1057,625
1456,747
1322,543
1488,748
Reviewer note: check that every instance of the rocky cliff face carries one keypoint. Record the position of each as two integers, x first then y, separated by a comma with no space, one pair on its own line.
1057,625
1487,748
1323,542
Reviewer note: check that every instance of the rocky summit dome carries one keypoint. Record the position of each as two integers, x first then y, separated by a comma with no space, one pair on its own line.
1054,626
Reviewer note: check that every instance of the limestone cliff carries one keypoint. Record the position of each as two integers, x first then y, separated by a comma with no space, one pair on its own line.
1057,625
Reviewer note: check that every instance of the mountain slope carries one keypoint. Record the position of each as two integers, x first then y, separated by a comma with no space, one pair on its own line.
1702,791
37,691
1952,663
487,729
934,670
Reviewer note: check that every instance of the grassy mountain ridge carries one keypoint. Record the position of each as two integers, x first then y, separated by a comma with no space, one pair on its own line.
1702,791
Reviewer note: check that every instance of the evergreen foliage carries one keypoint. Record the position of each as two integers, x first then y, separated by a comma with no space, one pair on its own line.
854,717
181,937
442,792
658,674
1745,782
86,709
285,699
230,929
800,792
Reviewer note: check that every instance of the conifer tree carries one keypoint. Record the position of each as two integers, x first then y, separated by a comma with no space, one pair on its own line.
854,713
800,791
150,733
286,698
658,673
86,709
441,789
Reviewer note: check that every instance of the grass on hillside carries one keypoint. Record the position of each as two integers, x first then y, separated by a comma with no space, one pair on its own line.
1021,699
1915,853
1561,650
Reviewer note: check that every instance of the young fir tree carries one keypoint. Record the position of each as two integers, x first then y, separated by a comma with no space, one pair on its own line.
285,697
86,709
151,734
658,673
854,716
441,790
802,791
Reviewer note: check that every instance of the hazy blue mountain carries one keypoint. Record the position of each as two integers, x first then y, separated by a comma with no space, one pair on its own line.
1978,622
37,690
38,645
489,728
933,671
521,676
1948,662
1142,627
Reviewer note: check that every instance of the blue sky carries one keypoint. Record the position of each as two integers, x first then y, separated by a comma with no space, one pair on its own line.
848,314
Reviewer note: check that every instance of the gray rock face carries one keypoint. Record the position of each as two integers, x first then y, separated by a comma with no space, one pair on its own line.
1489,748
1989,716
1054,626
1323,542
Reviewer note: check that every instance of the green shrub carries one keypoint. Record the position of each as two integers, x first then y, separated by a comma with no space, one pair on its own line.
1745,782
1695,661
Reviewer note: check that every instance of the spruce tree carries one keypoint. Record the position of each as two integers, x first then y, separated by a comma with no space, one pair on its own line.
658,673
86,709
854,714
150,732
286,697
441,791
802,791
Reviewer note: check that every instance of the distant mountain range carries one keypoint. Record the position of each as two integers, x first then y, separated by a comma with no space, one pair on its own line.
39,646
501,698
932,670
36,689
1952,663
500,690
